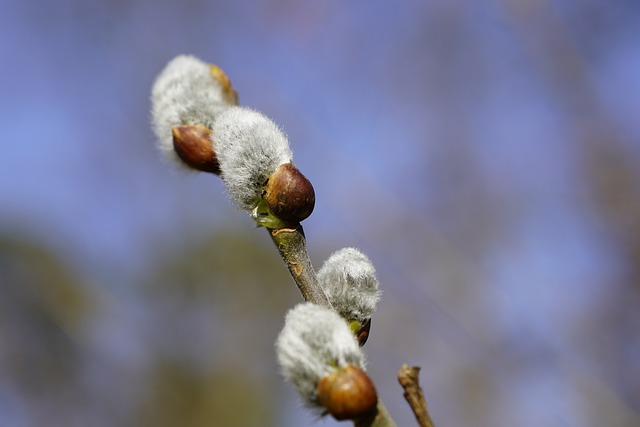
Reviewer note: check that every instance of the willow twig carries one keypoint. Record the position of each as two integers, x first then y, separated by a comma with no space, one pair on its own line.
292,246
408,378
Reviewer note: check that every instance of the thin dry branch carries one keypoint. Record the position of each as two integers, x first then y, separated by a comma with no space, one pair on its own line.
408,378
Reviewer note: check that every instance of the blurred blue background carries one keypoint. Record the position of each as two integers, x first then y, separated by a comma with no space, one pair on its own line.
485,155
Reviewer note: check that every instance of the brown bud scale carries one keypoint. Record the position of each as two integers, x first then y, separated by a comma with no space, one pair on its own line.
194,146
230,94
289,194
347,394
363,334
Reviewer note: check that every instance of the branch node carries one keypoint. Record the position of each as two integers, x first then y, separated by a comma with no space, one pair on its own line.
277,231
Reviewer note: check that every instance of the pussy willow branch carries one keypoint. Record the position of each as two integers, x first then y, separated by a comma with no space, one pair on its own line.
292,246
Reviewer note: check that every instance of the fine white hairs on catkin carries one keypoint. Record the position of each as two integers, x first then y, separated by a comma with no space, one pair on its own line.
184,93
349,280
314,342
249,148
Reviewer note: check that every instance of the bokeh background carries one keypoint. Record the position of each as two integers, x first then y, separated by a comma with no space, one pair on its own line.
484,154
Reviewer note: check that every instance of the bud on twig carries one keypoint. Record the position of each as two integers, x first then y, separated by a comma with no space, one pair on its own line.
349,280
289,194
315,343
249,147
194,146
186,93
347,394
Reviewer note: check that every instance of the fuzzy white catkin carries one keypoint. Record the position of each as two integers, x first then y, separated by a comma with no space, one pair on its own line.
349,280
249,148
314,342
184,93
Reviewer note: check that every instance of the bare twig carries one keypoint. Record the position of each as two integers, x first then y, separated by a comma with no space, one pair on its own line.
408,378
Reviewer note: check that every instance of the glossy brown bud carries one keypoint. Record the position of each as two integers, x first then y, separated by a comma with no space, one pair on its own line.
347,394
230,95
289,194
194,146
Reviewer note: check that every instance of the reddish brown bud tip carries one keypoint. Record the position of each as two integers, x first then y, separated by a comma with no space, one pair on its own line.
194,146
347,394
230,95
363,334
290,196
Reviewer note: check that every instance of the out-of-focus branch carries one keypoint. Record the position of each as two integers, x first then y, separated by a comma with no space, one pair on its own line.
408,378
